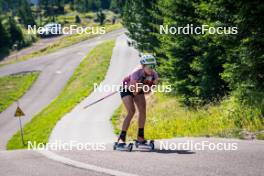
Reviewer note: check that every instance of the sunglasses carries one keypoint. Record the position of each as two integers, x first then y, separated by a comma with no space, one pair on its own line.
151,66
150,60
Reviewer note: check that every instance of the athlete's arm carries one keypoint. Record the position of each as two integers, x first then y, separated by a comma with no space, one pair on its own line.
136,87
151,86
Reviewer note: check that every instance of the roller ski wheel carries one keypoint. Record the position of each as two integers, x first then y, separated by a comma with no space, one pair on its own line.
123,146
147,145
152,145
114,146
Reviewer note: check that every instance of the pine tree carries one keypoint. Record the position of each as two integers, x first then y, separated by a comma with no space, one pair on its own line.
202,68
4,38
114,5
244,68
180,49
105,4
96,5
72,4
211,55
137,19
60,6
25,13
16,35
101,17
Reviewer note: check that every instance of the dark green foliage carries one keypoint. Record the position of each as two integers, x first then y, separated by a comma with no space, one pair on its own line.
16,35
244,68
114,6
52,7
88,5
202,68
4,38
137,18
105,4
101,17
96,5
179,49
13,15
72,4
19,8
77,19
25,13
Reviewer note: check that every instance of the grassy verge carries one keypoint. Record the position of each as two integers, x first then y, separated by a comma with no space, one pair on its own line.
12,87
62,43
166,118
91,70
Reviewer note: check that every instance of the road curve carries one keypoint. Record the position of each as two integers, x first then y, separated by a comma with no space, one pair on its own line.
56,68
246,159
30,163
92,125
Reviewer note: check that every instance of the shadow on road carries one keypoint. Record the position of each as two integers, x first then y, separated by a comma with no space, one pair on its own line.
174,151
169,151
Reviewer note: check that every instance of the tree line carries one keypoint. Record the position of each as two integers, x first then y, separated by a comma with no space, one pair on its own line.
15,14
11,34
94,5
203,68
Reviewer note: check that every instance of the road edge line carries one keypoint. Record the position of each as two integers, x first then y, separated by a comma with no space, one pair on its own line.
81,165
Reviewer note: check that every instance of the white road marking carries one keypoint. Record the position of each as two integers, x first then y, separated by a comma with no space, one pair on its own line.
81,165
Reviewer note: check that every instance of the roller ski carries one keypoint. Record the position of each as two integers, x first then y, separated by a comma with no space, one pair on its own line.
145,145
123,146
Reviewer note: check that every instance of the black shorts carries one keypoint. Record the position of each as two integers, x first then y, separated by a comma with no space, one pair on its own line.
126,92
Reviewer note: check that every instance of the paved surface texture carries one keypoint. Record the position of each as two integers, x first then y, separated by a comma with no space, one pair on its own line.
246,160
56,68
27,163
93,124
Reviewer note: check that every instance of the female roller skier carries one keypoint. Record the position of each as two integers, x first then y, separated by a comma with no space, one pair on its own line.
133,93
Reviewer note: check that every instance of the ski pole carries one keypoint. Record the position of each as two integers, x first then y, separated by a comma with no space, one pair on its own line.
112,93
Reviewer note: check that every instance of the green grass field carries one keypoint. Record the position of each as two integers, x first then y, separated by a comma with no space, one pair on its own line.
166,118
12,87
91,70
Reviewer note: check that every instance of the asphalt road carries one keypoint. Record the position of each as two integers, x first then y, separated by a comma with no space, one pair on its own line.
92,126
56,68
246,160
29,163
